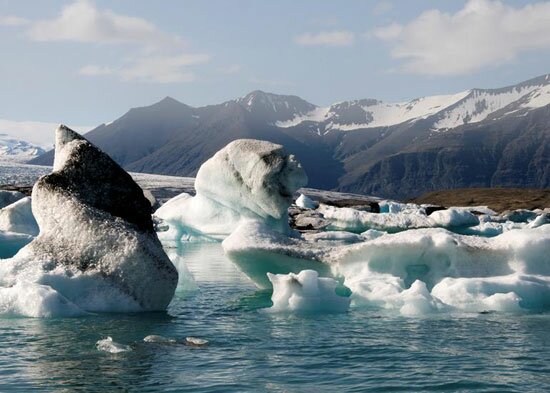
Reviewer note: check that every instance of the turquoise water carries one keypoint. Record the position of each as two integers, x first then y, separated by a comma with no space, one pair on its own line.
253,350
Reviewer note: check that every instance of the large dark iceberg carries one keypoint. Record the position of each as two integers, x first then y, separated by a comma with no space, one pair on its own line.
95,224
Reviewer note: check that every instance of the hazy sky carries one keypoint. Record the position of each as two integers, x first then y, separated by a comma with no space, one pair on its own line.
87,62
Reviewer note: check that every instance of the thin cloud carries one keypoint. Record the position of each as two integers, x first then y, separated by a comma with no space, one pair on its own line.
157,69
155,57
485,33
327,38
13,21
95,70
82,21
39,133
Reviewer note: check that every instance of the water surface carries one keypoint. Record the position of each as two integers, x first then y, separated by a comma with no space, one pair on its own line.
253,350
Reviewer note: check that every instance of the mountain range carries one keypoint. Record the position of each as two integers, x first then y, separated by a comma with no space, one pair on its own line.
476,138
18,150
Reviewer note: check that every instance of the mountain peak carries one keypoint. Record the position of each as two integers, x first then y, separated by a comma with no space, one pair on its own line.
274,107
169,100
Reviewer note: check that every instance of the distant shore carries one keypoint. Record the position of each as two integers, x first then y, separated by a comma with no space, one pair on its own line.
498,199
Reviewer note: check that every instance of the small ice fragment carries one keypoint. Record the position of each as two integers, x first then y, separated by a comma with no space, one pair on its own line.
305,202
195,342
108,345
306,292
158,339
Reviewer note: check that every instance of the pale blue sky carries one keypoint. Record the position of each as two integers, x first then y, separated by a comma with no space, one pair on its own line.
103,57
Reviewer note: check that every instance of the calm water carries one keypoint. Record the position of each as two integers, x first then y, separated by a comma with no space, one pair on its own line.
252,350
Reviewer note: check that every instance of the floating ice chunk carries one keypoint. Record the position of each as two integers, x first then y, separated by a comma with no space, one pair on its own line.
503,273
96,246
507,293
396,207
110,346
417,300
486,229
543,219
454,217
18,218
353,220
247,179
306,202
338,237
256,249
195,341
9,197
34,300
306,292
372,234
153,338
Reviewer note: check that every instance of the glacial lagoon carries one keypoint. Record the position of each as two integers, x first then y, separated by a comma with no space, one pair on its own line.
250,349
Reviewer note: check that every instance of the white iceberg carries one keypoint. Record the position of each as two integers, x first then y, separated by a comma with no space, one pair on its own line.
306,292
18,218
352,220
306,202
247,179
256,249
504,273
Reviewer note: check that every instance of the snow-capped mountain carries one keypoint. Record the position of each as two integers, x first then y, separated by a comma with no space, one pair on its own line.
16,150
482,104
453,110
479,137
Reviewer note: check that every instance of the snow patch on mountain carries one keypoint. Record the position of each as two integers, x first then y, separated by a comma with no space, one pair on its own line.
353,115
480,104
449,111
317,115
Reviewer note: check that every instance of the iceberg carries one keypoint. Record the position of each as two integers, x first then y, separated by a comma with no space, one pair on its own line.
507,272
256,249
352,220
97,247
306,202
18,218
247,179
306,292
